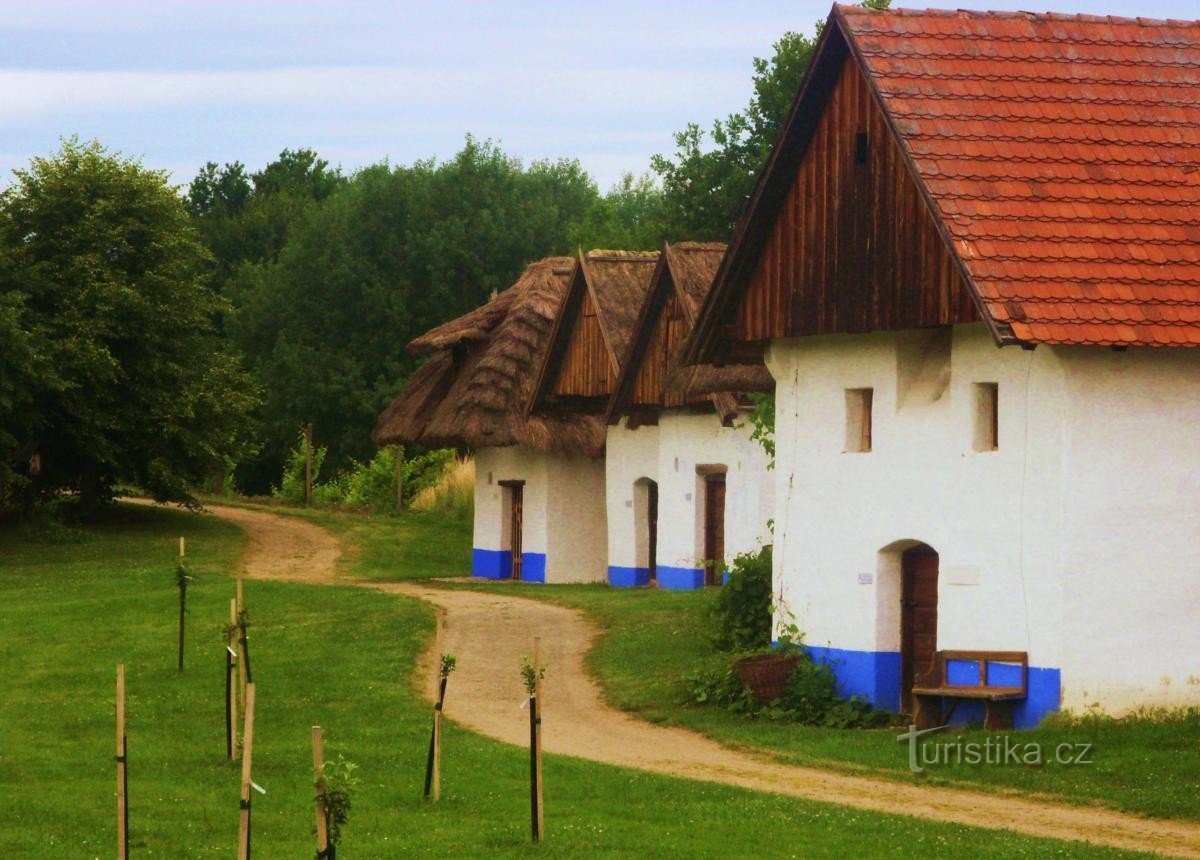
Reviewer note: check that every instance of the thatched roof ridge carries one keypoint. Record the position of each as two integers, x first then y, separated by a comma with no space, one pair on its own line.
471,327
687,269
483,402
693,266
619,281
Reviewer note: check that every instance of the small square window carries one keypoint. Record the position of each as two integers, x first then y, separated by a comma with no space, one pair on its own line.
858,419
987,416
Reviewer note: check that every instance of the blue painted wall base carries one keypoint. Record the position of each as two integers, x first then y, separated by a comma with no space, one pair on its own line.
875,675
491,563
533,567
628,577
497,564
680,578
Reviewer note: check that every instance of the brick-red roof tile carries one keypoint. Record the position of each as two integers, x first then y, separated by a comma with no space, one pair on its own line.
1063,154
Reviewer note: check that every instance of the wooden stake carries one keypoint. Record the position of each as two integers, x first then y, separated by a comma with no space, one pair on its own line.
247,757
399,449
318,743
537,738
438,688
239,607
182,598
231,687
122,770
308,463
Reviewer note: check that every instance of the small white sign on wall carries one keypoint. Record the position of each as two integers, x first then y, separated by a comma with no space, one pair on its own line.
866,579
961,574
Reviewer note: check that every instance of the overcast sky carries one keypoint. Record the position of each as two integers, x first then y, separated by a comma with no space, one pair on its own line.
179,83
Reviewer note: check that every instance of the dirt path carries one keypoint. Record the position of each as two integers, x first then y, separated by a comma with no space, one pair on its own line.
489,632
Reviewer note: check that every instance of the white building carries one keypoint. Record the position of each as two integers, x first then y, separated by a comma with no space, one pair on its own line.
536,477
975,283
687,488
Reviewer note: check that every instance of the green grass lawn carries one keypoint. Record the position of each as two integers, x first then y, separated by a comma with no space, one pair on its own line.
73,605
654,639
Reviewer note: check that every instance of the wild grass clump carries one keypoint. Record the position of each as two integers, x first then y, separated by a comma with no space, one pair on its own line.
1144,715
454,493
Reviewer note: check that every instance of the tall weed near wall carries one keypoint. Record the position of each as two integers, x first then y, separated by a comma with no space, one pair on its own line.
454,493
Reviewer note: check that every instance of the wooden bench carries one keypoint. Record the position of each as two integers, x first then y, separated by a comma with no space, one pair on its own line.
969,675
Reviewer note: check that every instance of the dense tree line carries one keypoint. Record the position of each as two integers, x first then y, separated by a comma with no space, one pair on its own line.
164,340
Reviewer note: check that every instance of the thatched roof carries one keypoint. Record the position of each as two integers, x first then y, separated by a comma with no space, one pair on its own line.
471,327
687,268
617,282
473,390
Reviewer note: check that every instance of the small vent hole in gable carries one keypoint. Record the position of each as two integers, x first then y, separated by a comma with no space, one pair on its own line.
861,149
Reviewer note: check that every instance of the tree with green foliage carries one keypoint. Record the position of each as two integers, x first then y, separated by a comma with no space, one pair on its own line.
628,217
389,255
100,275
245,218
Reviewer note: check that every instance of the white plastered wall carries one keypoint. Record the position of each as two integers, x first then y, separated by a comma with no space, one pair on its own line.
843,519
630,456
563,516
688,441
1131,563
1075,540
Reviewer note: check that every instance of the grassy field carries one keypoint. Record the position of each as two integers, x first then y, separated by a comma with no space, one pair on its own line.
654,639
75,603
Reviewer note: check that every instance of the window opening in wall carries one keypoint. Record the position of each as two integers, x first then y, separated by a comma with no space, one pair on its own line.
987,416
858,419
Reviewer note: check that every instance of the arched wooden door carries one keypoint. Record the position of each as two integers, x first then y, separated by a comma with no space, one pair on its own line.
918,619
652,528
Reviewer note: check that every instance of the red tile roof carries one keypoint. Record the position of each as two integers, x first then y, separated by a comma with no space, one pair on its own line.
1062,153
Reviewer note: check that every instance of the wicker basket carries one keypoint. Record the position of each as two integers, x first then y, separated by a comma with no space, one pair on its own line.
766,675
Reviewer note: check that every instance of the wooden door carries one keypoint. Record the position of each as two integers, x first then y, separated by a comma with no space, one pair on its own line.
516,494
714,528
918,619
652,528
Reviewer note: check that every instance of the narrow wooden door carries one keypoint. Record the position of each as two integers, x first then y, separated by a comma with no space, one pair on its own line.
652,528
918,619
516,493
714,528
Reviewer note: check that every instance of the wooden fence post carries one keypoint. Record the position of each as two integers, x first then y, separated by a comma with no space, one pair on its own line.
181,576
243,648
308,463
433,767
537,740
318,744
122,770
247,758
231,681
399,449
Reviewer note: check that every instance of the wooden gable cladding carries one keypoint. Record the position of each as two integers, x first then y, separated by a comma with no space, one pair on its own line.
853,247
666,339
587,367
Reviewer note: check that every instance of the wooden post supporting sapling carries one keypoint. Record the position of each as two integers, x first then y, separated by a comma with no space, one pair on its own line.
308,463
231,689
318,744
122,770
247,760
243,622
399,452
443,667
181,580
532,673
